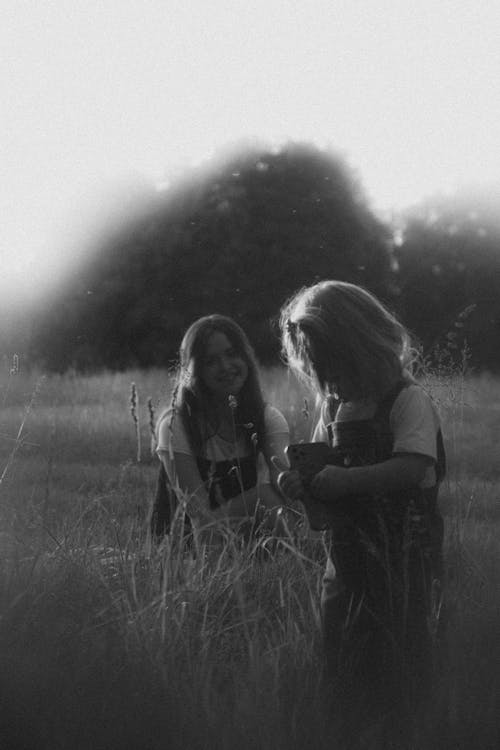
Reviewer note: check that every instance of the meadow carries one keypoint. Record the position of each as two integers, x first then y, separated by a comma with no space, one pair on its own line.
108,641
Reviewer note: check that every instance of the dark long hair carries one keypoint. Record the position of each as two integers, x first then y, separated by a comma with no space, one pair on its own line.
190,393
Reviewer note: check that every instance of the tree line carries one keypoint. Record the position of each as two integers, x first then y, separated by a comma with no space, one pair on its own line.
242,235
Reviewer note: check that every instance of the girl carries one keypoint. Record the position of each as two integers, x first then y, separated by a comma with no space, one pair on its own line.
379,499
211,437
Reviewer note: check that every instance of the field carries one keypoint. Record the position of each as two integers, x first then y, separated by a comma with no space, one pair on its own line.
109,642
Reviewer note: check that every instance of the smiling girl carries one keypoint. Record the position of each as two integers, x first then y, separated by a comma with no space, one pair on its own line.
216,439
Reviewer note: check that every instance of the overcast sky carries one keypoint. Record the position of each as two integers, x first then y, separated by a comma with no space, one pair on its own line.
100,95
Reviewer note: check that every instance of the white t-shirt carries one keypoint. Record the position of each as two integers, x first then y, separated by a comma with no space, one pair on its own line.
172,438
413,420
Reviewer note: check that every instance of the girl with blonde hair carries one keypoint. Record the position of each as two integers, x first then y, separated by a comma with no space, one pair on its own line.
378,496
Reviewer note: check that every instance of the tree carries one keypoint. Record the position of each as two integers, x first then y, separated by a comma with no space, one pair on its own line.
449,274
237,238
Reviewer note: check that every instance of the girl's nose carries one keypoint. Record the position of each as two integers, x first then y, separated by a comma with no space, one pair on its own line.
225,363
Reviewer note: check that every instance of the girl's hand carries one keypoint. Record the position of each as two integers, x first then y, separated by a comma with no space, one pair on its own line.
288,481
290,485
330,484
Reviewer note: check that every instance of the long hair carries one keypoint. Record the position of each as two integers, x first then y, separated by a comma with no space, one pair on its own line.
190,393
334,326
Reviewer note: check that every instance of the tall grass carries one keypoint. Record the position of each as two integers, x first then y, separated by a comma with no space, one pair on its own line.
107,641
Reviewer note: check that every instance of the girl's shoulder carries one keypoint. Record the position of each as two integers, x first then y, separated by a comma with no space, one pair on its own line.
167,418
416,426
412,390
274,421
414,403
171,431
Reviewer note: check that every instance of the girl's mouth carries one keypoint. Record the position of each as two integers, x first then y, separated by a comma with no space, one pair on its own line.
227,379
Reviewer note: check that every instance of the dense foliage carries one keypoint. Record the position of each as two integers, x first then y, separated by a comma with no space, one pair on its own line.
242,235
237,239
449,275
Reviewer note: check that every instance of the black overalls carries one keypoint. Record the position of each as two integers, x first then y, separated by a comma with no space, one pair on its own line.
382,581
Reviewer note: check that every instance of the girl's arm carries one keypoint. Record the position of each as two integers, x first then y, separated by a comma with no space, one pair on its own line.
414,423
274,447
397,473
273,496
184,475
274,443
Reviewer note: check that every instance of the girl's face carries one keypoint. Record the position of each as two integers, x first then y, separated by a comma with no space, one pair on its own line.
223,370
326,371
336,379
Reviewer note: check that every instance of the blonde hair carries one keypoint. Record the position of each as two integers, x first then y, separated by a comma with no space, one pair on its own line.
334,327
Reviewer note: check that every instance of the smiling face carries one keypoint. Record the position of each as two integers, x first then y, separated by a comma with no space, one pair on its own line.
224,370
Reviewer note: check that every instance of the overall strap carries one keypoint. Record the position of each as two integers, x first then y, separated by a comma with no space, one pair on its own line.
441,457
385,405
381,421
381,416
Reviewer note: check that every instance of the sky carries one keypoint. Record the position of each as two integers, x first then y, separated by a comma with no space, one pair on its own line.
103,100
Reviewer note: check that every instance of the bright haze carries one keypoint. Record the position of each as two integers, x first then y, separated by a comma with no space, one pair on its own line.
103,101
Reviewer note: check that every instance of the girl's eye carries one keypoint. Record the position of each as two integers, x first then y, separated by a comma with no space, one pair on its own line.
214,360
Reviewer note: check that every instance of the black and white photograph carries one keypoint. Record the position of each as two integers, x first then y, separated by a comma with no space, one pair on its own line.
250,375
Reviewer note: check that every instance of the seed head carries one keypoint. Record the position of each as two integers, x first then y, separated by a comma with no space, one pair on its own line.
133,401
15,364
